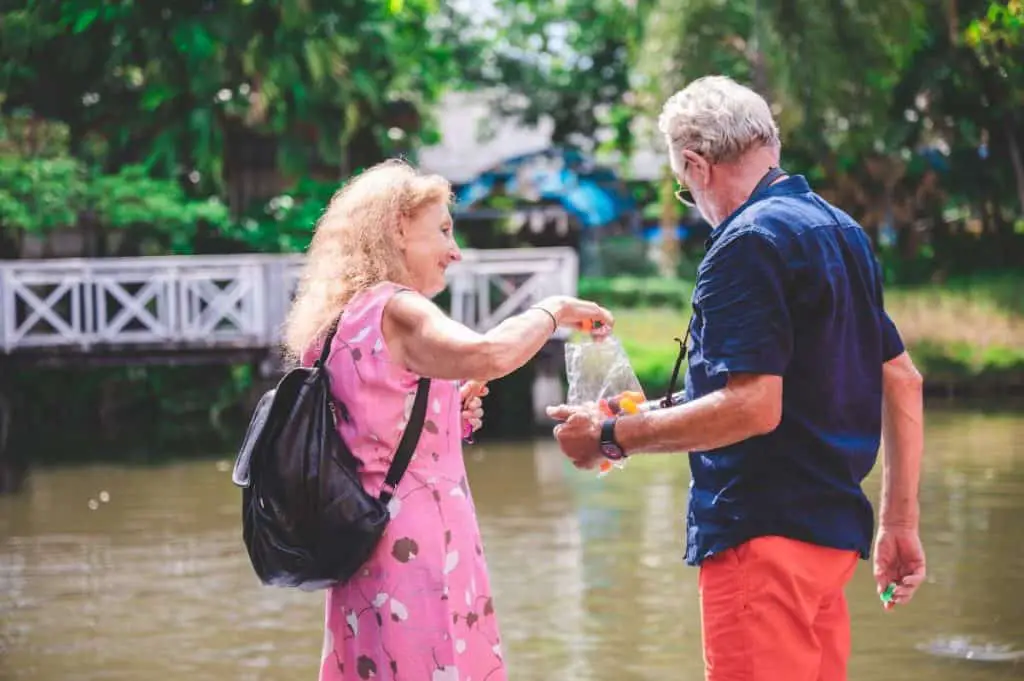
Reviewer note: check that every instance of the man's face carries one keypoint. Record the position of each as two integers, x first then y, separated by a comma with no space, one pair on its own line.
693,174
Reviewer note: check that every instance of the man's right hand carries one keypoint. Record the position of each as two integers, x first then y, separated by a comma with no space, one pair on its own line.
899,559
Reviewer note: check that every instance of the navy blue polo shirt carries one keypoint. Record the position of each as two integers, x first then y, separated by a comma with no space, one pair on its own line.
790,287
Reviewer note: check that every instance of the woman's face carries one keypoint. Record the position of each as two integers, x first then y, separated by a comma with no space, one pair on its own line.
428,245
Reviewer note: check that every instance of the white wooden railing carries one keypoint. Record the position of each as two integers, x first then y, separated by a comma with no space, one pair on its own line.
235,301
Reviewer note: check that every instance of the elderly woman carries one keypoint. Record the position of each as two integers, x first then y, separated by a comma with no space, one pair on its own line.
421,608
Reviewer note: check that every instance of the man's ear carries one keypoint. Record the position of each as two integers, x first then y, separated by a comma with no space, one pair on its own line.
700,169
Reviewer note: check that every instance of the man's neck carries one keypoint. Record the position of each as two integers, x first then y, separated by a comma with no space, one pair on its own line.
740,178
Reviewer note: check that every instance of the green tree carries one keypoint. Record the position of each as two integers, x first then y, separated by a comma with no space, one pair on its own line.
997,41
570,61
180,88
43,188
904,112
827,67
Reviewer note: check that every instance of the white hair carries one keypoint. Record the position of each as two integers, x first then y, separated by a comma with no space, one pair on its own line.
717,118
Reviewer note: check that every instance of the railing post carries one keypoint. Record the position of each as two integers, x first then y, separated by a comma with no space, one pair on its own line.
275,283
483,298
5,310
570,273
88,292
458,296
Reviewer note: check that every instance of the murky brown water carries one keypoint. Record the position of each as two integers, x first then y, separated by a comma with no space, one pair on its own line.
154,583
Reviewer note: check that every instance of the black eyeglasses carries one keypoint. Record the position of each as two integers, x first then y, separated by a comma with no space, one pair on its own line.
683,194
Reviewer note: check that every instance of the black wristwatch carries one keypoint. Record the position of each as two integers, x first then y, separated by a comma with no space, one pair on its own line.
609,446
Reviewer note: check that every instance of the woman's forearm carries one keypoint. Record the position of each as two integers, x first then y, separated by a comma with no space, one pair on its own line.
431,344
903,443
510,344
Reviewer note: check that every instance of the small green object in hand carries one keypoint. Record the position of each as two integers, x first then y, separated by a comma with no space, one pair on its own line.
886,595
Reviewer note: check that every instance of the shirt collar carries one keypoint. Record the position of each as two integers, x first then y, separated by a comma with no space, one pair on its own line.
789,186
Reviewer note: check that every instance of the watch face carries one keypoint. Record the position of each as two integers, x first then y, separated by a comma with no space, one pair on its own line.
611,451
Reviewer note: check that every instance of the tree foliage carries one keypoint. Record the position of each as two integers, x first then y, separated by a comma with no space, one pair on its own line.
165,84
569,61
905,112
43,188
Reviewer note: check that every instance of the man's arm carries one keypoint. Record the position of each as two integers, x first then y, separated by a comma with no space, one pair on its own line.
899,555
903,442
747,337
749,405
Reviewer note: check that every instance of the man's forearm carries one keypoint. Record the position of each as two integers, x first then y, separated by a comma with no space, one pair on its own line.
748,406
903,443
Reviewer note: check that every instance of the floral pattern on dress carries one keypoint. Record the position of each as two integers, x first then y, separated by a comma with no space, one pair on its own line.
421,608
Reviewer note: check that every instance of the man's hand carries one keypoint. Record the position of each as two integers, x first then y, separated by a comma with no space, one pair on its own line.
579,434
470,393
899,559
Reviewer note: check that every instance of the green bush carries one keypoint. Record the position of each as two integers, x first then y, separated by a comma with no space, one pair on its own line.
633,292
653,365
44,188
624,256
284,223
960,362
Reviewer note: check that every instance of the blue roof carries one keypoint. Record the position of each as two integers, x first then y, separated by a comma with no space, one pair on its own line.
593,194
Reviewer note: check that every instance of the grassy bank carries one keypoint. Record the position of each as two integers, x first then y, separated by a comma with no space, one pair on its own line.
967,336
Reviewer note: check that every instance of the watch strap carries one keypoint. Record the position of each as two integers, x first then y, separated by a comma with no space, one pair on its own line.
610,447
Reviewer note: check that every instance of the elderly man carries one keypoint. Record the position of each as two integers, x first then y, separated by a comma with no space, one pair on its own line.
795,373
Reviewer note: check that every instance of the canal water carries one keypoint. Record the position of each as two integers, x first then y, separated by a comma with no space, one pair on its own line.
138,572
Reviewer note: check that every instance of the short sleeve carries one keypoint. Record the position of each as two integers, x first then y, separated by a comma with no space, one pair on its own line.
892,342
741,295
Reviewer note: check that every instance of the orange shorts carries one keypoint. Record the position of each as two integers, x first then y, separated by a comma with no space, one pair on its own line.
773,609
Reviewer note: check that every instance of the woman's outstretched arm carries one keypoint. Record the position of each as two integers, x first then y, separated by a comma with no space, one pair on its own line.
430,343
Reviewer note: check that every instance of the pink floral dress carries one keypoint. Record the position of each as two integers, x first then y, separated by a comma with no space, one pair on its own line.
421,608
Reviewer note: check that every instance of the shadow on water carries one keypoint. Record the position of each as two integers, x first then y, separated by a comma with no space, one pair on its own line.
114,571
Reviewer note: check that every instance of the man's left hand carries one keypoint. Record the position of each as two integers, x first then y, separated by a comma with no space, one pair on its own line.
579,434
899,559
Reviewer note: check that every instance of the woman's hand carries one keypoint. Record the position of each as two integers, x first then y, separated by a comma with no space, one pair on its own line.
471,394
579,314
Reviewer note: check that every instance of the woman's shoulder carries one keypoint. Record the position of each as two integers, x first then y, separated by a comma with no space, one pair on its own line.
368,305
361,326
360,319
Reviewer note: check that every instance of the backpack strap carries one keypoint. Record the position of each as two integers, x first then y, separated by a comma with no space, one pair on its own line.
325,351
410,438
413,430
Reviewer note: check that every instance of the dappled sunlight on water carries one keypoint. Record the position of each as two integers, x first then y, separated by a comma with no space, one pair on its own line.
150,580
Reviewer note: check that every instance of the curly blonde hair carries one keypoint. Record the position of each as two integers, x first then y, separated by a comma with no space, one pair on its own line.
355,245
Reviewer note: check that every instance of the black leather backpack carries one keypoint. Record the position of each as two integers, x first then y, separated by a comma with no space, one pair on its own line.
307,521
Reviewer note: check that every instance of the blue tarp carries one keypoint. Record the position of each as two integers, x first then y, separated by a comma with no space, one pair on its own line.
653,233
591,193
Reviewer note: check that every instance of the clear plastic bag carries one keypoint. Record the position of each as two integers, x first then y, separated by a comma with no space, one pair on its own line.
601,378
598,370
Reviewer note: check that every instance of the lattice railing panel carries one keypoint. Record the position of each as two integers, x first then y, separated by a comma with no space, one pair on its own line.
42,309
235,301
133,307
